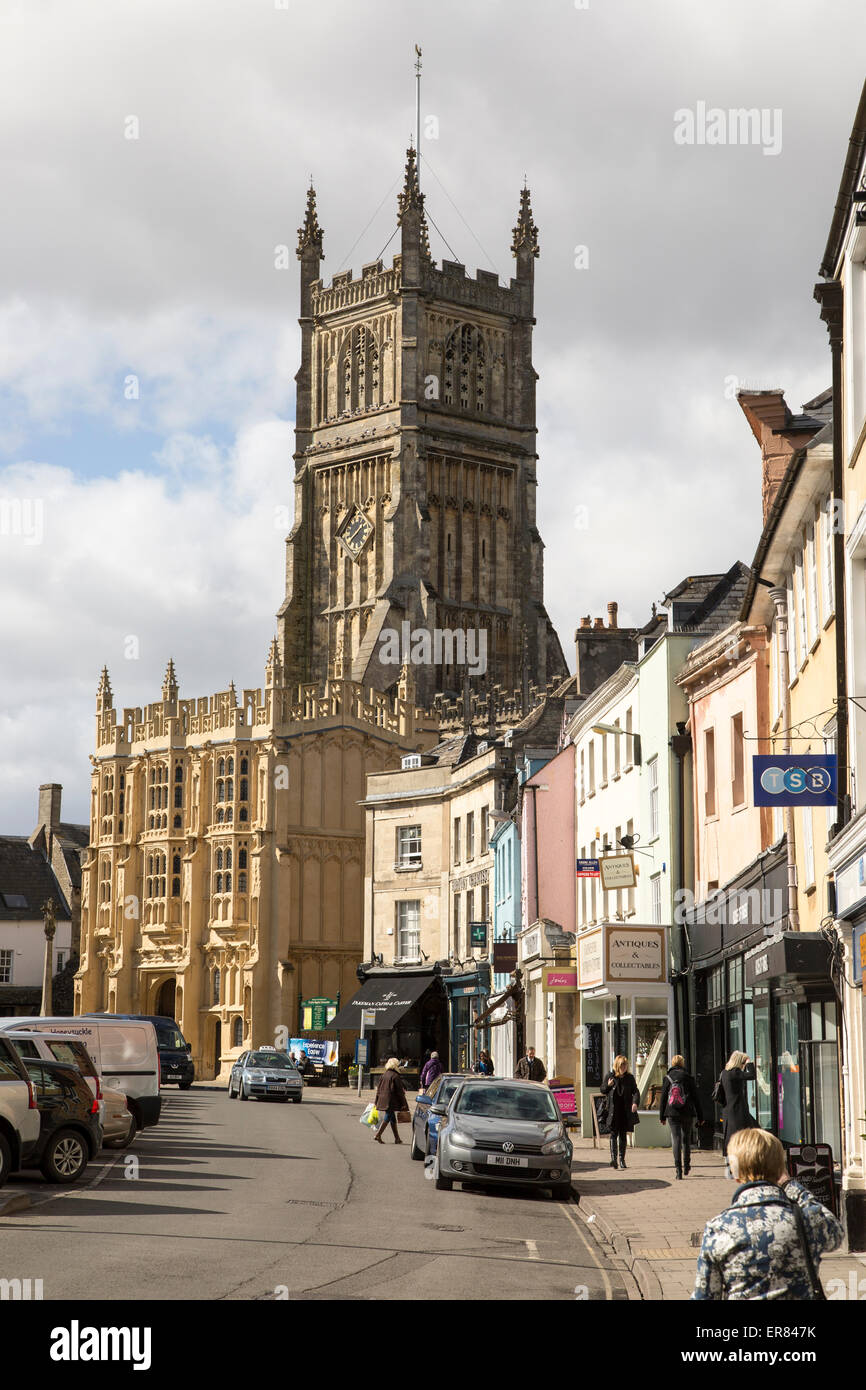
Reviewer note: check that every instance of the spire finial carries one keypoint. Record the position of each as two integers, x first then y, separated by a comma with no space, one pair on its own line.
310,235
169,684
104,697
526,232
411,197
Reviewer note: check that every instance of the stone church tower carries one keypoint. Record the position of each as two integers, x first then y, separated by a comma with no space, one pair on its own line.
415,469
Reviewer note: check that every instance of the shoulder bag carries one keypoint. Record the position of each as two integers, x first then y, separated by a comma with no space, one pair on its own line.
718,1092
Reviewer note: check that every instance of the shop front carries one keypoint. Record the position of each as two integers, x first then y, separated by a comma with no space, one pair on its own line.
794,1043
468,993
626,1007
411,1016
850,851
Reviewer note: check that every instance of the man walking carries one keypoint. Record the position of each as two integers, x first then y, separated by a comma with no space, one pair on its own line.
530,1067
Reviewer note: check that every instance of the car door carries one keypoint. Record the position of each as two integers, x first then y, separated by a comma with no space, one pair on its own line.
235,1073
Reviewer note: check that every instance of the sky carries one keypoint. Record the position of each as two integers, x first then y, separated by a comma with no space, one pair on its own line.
154,154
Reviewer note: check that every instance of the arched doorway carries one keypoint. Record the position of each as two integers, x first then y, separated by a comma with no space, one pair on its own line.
165,999
217,1047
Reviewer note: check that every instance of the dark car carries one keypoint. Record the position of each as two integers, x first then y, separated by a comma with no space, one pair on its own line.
176,1067
425,1124
70,1134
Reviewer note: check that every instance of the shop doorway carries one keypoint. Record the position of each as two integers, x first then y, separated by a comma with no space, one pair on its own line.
165,999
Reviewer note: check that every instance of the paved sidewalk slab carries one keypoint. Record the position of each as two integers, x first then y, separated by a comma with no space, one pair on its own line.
655,1221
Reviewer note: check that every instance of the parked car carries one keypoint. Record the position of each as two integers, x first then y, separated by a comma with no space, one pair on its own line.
70,1134
503,1132
425,1121
124,1053
19,1112
53,1047
176,1067
118,1121
266,1072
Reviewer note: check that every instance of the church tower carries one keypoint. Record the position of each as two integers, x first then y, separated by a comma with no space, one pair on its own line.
415,471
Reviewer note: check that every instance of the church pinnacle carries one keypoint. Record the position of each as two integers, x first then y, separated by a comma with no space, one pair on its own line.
169,684
104,697
526,232
310,235
411,197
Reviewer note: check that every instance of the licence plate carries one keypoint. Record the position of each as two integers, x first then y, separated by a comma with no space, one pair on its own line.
275,1086
507,1161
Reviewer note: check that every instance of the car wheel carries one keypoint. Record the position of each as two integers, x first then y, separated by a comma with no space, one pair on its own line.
231,1094
65,1158
5,1160
296,1100
242,1095
184,1085
416,1152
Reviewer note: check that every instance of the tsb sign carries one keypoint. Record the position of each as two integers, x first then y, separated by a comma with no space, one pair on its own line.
806,779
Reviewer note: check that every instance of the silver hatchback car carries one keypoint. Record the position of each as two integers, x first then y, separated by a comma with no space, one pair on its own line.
504,1132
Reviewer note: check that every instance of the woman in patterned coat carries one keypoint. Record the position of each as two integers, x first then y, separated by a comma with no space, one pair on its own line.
754,1250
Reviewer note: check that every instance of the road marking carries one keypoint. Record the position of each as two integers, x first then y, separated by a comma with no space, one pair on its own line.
608,1287
532,1247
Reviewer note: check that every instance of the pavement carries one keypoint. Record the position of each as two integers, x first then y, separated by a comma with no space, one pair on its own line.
654,1223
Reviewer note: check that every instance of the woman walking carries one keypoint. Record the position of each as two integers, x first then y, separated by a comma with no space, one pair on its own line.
769,1243
621,1090
679,1105
484,1066
390,1099
734,1099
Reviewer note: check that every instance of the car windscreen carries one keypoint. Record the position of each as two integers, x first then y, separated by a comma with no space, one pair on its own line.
447,1089
507,1103
169,1038
269,1059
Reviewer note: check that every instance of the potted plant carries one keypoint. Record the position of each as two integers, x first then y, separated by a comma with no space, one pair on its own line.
352,1075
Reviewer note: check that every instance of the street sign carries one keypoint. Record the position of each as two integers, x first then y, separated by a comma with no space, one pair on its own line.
362,1052
616,871
478,933
368,1018
587,868
800,779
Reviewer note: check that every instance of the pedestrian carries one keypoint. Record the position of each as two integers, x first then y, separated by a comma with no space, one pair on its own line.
431,1070
390,1099
484,1066
530,1067
734,1100
679,1105
769,1242
622,1094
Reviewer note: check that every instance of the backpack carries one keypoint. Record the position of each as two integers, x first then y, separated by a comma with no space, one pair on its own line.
676,1096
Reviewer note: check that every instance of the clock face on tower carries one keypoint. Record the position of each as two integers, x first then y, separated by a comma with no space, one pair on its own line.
355,531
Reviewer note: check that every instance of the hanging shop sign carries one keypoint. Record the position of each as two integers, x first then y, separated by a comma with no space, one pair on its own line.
555,981
800,779
478,933
615,954
504,957
616,871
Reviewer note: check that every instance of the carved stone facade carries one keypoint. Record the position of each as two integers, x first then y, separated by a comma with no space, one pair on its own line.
415,467
224,879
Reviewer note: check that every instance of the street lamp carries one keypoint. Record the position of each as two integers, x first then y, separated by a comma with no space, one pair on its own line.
623,733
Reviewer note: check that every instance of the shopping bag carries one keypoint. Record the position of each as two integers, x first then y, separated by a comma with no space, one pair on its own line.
404,1117
370,1115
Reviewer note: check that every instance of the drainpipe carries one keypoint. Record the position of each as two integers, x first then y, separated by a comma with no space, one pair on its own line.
780,599
829,296
681,744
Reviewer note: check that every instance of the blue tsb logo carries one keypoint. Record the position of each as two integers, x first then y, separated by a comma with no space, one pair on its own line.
807,780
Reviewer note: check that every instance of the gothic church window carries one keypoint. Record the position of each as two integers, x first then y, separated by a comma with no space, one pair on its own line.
465,374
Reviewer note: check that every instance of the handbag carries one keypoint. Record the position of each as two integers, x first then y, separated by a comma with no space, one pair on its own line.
403,1117
718,1093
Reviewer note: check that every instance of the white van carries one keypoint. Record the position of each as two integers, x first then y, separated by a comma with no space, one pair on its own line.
124,1054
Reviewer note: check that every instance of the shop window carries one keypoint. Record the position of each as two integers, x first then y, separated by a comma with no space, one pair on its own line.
788,1071
715,988
735,980
650,1050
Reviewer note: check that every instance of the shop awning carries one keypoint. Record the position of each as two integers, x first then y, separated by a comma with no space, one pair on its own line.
390,996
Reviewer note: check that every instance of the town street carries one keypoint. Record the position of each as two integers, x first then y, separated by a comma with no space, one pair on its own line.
227,1200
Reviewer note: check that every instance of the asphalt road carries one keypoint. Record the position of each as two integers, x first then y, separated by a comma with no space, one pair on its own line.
225,1200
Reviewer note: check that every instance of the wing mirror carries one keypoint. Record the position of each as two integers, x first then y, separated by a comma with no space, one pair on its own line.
438,1109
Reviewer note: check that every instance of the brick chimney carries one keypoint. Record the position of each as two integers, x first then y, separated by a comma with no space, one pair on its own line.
49,805
770,421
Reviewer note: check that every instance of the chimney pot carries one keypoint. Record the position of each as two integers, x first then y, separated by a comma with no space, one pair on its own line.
586,622
611,614
599,622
